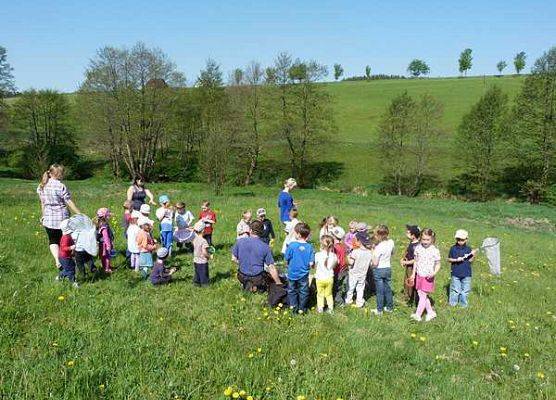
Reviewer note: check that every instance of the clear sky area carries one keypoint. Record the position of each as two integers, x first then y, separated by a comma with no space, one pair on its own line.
50,43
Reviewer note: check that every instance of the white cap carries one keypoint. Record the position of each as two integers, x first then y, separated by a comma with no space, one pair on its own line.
338,232
144,220
145,209
136,214
461,234
199,226
162,252
64,226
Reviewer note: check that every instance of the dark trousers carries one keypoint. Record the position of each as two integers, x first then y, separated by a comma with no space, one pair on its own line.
68,269
201,277
298,294
208,238
410,294
257,283
340,287
82,258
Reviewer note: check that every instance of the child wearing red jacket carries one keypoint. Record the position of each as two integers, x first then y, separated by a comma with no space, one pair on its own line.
341,270
208,216
65,254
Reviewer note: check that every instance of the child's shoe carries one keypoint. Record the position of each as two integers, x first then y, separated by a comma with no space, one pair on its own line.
320,310
415,317
388,310
108,270
430,317
75,285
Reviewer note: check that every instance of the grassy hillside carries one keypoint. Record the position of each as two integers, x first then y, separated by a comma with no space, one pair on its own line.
118,337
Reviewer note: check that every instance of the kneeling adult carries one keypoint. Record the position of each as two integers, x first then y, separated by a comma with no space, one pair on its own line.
255,260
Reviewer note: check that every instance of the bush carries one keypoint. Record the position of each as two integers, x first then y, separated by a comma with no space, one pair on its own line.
550,195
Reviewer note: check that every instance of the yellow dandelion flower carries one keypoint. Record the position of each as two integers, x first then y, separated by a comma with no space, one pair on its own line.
242,393
228,391
511,322
540,375
475,343
259,349
527,324
101,386
503,349
61,298
413,335
250,355
54,344
526,355
70,363
301,397
235,395
422,338
549,313
268,388
503,355
250,398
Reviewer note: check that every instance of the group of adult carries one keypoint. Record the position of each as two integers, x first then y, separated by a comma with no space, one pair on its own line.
57,203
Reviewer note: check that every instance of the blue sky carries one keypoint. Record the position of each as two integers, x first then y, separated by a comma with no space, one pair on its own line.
50,43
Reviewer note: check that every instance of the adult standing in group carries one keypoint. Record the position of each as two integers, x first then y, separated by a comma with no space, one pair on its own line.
55,201
285,200
137,193
255,260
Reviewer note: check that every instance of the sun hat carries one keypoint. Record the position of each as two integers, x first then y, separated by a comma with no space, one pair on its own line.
361,227
461,234
163,199
338,232
103,212
145,209
64,226
261,212
414,230
136,214
199,226
144,221
162,252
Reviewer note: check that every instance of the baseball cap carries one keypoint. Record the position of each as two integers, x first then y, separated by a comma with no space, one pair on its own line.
162,252
461,234
163,199
261,212
145,209
199,226
414,230
338,232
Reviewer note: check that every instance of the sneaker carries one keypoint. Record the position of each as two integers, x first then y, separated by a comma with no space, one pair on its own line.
320,310
415,317
430,317
388,310
376,312
75,285
330,311
57,278
108,270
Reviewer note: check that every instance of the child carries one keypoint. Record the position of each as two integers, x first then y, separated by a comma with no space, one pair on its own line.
360,261
209,218
145,209
461,256
413,233
132,232
65,254
146,245
267,235
161,275
128,208
183,233
327,225
300,257
165,216
382,270
326,262
341,270
290,229
105,238
426,266
350,235
201,255
242,229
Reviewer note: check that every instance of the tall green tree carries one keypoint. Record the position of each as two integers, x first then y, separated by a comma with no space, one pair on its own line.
479,139
520,61
368,72
7,86
338,71
418,67
500,66
533,125
465,61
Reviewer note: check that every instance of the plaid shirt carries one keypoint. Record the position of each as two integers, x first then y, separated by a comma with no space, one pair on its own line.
54,197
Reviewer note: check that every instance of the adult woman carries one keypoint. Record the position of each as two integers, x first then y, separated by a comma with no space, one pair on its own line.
137,192
55,201
285,200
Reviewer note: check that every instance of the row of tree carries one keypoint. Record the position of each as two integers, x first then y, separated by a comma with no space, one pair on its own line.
501,148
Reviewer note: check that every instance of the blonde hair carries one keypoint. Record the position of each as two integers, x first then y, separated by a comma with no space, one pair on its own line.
381,233
326,244
429,232
55,171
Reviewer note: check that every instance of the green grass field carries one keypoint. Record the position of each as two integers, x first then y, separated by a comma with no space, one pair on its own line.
118,337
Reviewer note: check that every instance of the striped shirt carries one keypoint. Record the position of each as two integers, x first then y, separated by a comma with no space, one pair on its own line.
54,196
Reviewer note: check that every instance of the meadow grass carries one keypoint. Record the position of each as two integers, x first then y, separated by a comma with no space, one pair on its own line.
119,337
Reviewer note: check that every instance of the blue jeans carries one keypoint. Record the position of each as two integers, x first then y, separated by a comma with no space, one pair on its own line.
167,237
384,297
459,290
298,294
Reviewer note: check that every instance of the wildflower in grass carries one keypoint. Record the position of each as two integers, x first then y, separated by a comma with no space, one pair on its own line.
101,386
413,335
549,313
268,389
242,393
250,398
422,338
70,363
235,395
475,343
540,375
61,298
259,349
250,355
516,367
526,355
54,344
301,397
293,362
228,391
503,349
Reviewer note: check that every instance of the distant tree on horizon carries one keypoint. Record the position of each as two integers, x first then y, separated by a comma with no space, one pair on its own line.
368,72
465,61
418,67
519,61
501,65
338,71
7,85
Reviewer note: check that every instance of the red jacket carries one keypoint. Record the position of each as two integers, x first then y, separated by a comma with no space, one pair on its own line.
341,251
65,246
209,214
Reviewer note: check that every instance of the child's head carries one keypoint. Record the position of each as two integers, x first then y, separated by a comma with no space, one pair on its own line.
103,215
326,243
199,227
293,213
145,209
290,183
412,232
261,214
461,237
180,207
381,233
144,223
135,215
338,233
257,228
246,215
302,231
332,221
428,237
164,200
352,226
65,228
128,205
362,227
362,239
138,180
162,253
205,205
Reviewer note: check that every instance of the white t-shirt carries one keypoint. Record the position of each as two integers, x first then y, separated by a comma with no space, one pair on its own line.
383,252
165,216
362,258
325,271
290,237
132,231
425,259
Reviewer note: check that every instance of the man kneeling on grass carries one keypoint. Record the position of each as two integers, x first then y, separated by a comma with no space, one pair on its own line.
255,260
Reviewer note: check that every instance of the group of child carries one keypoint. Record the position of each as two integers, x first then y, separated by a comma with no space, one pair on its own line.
176,224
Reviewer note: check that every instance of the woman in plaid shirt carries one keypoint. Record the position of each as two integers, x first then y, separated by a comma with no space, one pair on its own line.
55,201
